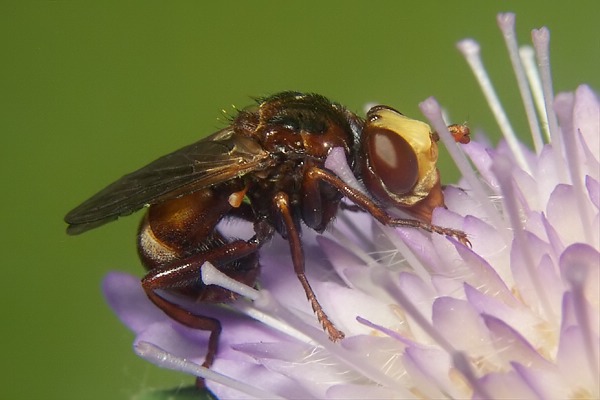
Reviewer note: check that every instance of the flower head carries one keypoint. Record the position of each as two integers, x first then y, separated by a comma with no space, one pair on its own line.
516,315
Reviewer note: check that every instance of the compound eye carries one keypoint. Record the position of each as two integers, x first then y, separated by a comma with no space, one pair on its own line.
391,166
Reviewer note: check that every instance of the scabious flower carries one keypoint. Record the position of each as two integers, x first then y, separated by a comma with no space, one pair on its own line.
514,316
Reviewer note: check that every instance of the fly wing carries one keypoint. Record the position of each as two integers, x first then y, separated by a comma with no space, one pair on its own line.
215,159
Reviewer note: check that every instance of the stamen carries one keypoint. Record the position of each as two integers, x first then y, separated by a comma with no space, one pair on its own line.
270,321
533,77
506,22
282,316
164,359
470,49
266,305
541,43
212,276
432,111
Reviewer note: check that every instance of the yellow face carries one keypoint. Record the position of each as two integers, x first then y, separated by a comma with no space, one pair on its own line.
414,138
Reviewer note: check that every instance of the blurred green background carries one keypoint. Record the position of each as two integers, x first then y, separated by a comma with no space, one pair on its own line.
90,91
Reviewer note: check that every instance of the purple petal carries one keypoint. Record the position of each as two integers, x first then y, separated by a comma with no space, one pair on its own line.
586,119
560,214
526,188
538,252
546,383
505,385
429,369
345,263
478,272
552,283
593,188
304,362
572,359
462,202
511,346
419,293
480,156
556,243
344,305
461,325
422,248
261,377
191,345
361,392
587,260
546,174
126,297
516,316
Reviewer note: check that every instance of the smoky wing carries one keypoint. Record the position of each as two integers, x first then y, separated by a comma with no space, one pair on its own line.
212,160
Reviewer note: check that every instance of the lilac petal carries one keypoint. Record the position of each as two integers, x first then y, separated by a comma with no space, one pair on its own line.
546,174
537,250
556,243
361,392
593,188
488,243
378,353
560,210
448,286
552,282
346,264
419,293
343,305
546,383
422,248
587,259
429,369
461,325
586,118
505,385
511,346
462,202
569,318
277,274
262,378
387,331
525,185
192,345
572,356
515,316
447,218
480,156
478,272
126,297
310,367
534,224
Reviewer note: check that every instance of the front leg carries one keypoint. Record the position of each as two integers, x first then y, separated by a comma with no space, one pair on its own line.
367,204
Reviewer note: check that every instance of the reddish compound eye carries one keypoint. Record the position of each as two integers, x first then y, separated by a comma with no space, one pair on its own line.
391,164
398,162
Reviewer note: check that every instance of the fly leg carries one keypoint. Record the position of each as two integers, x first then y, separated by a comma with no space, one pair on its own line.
282,203
367,204
238,259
